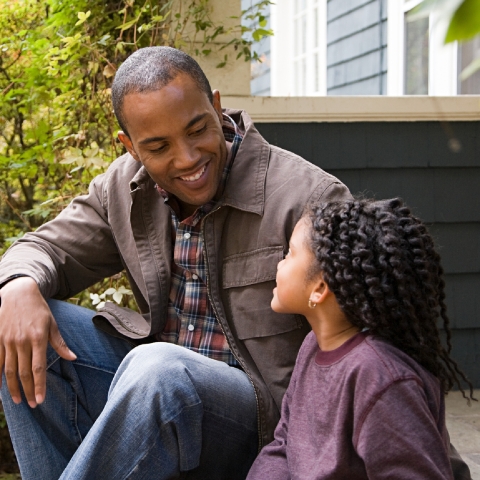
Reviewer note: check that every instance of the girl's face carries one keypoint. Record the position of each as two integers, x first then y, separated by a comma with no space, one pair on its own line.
293,291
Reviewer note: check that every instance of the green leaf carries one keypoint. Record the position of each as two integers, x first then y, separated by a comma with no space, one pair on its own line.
127,25
82,17
465,22
259,33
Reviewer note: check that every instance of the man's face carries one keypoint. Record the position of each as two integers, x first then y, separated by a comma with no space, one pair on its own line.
176,133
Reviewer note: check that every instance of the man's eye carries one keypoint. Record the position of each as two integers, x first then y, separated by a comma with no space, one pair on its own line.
159,149
200,130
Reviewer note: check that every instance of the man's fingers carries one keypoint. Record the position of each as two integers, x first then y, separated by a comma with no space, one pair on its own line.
25,374
2,362
58,343
39,370
11,374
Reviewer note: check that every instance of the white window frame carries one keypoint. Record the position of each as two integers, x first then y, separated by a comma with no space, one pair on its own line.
442,59
283,49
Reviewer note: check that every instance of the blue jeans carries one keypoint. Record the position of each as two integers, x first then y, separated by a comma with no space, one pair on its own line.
156,411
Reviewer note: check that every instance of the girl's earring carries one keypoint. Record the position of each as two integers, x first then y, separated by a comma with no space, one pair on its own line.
311,304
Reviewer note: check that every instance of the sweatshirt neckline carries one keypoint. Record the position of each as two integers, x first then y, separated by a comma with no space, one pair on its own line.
325,358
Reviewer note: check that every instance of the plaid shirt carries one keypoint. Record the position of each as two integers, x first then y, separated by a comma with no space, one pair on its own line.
191,320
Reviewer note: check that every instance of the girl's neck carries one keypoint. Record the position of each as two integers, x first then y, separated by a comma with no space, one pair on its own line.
332,339
331,327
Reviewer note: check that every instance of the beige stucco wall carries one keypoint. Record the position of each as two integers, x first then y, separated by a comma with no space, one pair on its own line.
234,78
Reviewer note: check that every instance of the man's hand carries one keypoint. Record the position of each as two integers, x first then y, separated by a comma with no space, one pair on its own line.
26,327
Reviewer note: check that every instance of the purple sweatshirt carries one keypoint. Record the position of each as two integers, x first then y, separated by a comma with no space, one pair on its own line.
363,411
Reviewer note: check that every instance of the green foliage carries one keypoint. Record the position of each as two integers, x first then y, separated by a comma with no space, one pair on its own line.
463,22
463,17
57,61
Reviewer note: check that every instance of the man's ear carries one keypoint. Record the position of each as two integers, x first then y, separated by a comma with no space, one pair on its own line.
320,291
125,139
217,104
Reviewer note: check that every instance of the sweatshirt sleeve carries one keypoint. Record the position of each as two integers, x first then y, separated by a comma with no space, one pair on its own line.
272,460
399,438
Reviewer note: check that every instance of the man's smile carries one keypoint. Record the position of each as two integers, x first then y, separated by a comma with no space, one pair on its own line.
196,175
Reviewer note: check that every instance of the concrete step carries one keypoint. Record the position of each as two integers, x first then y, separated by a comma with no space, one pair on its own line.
463,423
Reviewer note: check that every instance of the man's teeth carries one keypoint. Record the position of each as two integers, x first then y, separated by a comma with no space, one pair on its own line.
192,178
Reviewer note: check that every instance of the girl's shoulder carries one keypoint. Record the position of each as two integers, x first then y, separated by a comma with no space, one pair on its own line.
378,361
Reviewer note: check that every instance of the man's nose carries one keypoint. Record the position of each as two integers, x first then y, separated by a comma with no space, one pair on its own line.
186,155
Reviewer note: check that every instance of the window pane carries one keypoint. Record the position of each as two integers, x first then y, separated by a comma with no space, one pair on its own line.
416,57
304,34
304,77
296,87
466,53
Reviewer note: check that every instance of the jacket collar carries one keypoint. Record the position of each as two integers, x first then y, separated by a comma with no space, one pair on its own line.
245,187
140,178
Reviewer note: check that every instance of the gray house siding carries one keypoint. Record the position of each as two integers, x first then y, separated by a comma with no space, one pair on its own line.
356,47
413,161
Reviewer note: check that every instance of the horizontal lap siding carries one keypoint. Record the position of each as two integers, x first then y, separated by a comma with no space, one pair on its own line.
413,161
356,47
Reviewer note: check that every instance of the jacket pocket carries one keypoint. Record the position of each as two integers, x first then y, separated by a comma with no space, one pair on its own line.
249,279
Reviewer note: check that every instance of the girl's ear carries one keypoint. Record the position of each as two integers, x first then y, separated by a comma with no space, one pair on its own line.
320,291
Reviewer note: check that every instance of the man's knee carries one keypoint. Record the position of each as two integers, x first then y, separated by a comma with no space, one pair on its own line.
156,375
156,363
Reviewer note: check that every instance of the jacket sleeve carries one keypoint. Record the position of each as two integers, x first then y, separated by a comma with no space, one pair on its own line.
330,190
69,253
399,437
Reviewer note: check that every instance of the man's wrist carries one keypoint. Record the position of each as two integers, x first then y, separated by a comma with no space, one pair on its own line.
13,277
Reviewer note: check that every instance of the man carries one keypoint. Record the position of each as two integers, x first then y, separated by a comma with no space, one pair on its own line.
198,213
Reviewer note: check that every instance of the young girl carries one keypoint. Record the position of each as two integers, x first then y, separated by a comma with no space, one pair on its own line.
366,398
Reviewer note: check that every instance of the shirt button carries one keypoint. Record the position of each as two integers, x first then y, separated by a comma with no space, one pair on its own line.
195,277
186,235
191,328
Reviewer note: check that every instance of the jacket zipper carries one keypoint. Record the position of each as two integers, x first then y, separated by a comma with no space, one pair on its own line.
240,361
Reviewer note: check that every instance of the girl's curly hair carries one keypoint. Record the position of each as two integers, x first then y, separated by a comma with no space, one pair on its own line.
380,262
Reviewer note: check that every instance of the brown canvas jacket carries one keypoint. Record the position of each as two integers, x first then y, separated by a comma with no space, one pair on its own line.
123,224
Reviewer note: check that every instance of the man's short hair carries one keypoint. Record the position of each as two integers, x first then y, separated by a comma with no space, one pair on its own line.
150,69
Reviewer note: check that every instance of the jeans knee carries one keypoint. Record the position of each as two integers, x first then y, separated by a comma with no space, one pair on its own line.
158,370
155,360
